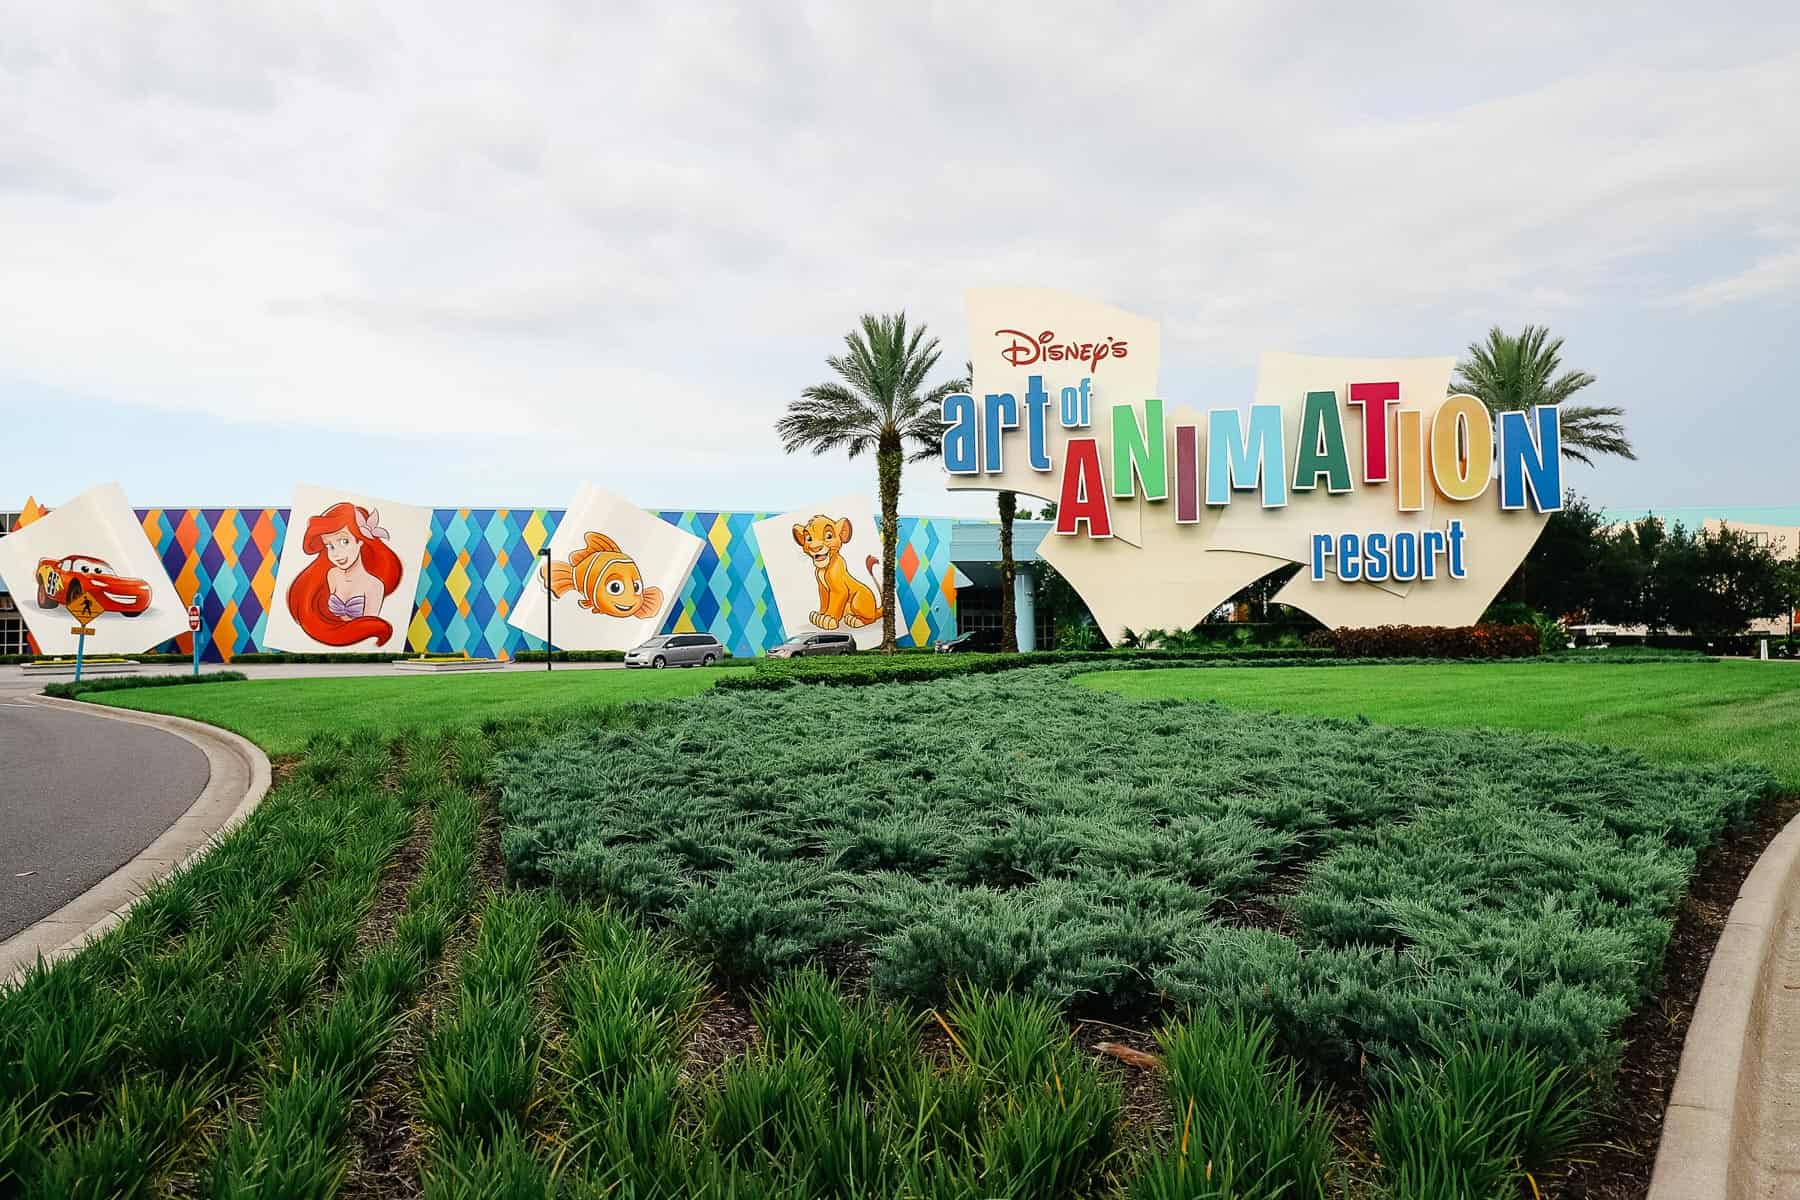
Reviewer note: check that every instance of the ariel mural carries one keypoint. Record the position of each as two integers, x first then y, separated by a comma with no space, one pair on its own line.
348,573
337,598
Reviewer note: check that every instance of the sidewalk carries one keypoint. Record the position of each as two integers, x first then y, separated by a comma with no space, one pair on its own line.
14,681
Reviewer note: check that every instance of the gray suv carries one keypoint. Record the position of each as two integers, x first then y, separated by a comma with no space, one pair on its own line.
808,645
676,650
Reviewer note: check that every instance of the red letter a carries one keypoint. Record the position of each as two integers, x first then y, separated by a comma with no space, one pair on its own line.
1083,491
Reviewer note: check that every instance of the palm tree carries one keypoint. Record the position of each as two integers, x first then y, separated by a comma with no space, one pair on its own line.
879,401
1009,616
1509,373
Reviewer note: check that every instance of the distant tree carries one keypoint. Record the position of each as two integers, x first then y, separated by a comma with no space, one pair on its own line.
1509,373
1561,576
1715,582
1626,588
880,401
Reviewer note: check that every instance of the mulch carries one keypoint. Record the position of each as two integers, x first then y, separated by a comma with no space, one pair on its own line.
387,1146
397,879
1628,1123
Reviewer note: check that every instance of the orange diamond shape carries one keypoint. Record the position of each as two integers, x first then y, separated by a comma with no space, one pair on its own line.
909,562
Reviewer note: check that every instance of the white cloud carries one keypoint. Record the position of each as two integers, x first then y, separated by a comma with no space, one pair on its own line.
1768,276
654,223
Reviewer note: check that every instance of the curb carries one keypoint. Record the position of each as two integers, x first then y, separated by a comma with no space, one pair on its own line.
237,779
1712,1130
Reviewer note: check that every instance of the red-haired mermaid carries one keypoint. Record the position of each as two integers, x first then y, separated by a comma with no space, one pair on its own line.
337,598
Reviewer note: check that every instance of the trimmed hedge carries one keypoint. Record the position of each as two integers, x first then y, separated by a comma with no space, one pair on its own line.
863,670
73,690
1430,641
578,656
855,670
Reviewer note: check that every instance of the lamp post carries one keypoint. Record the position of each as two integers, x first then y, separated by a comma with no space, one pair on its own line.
549,609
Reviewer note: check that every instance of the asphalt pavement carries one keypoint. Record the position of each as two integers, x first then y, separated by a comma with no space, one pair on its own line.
79,796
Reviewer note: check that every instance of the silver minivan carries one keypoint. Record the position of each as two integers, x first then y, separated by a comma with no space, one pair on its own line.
808,645
676,650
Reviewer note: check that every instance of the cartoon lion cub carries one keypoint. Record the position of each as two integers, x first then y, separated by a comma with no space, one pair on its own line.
841,598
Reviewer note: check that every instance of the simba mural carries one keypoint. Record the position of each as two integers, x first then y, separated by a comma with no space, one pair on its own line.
843,599
819,579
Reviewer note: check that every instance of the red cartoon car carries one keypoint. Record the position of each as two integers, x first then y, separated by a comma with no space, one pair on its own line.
60,580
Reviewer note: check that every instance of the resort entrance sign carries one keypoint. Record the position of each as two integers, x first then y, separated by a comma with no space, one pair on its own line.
1400,502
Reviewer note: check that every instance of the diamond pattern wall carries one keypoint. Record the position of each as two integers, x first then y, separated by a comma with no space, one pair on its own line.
480,559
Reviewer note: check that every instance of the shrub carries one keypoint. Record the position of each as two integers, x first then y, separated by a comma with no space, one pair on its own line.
1552,637
1468,1119
571,656
75,689
1084,850
1430,641
858,1042
1243,1121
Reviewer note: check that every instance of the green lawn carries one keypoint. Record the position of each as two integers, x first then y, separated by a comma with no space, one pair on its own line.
281,714
1683,711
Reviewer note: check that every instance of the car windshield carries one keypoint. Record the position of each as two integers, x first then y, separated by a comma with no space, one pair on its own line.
799,639
654,643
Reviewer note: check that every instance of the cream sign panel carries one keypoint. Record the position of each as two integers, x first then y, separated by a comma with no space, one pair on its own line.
349,570
87,565
824,565
613,574
1400,503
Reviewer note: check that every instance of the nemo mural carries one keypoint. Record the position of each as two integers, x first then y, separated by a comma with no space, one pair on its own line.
605,578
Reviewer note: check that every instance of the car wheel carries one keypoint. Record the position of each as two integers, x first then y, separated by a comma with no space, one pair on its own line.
708,660
131,612
659,662
43,597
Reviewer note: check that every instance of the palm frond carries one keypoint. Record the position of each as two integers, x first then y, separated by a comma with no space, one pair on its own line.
1511,373
1589,429
880,395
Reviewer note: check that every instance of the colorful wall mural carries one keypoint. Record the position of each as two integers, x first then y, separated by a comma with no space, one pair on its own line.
479,559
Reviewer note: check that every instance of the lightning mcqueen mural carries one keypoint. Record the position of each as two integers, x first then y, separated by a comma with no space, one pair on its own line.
61,580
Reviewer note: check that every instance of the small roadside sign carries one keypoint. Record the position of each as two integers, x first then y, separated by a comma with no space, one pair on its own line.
194,628
84,608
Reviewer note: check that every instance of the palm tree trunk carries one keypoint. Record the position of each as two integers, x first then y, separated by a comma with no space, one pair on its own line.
887,466
1009,616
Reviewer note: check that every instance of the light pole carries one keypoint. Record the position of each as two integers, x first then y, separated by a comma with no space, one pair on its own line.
549,610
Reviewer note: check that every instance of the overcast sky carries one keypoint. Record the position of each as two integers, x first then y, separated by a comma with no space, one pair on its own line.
479,253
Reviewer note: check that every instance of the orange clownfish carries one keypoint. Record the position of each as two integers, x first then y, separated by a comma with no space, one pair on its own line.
606,578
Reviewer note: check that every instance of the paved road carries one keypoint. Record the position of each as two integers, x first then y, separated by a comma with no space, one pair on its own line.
79,796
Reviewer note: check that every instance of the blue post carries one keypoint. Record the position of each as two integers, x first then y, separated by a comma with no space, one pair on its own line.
80,647
196,652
